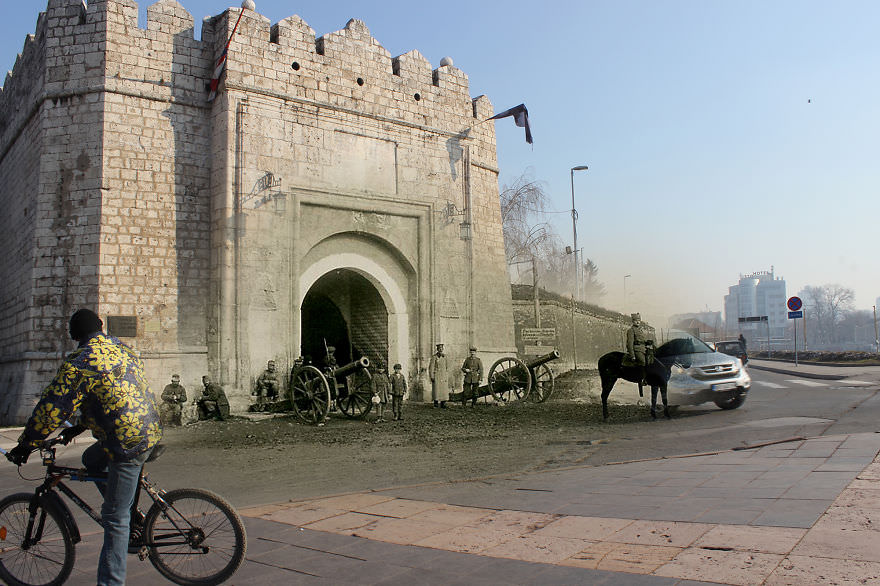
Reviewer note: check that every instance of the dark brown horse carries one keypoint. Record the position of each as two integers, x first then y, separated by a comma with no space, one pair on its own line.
611,368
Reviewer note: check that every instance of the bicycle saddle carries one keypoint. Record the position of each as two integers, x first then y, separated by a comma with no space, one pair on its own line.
157,451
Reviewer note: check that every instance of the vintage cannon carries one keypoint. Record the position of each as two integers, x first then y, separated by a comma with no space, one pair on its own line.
512,379
311,391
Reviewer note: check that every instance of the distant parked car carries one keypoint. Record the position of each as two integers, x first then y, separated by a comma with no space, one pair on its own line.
733,348
700,374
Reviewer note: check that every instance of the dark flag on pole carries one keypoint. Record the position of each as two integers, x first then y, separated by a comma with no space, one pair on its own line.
520,117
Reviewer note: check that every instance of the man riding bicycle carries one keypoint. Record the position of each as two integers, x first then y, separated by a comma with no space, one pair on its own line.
103,379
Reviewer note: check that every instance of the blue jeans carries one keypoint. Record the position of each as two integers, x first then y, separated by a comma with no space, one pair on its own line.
119,492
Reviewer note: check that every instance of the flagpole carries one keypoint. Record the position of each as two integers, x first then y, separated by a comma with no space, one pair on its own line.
221,63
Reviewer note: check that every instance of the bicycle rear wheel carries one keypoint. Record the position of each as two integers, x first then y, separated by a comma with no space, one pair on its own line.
48,557
196,539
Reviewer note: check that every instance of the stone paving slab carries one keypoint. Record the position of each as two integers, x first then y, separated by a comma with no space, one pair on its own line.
773,538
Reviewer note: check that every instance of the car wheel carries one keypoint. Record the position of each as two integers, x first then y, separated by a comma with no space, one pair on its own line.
731,402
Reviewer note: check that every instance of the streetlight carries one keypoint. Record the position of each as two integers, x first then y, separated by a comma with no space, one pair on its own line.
574,231
625,277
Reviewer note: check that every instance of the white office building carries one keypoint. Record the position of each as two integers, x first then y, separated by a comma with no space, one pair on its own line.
755,296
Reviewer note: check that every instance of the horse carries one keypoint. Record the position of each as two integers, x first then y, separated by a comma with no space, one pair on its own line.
611,368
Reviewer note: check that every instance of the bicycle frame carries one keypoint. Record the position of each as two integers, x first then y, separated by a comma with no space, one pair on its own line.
47,493
173,541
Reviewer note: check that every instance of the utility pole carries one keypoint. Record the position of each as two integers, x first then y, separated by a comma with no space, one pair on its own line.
535,292
876,337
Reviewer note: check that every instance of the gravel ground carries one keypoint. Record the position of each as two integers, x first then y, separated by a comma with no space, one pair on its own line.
278,458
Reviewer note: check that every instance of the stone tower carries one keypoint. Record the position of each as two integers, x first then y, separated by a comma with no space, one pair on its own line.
329,194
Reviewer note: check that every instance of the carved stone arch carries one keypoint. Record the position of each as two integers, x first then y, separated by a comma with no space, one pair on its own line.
346,258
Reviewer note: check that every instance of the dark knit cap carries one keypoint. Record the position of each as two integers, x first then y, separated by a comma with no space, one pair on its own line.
84,322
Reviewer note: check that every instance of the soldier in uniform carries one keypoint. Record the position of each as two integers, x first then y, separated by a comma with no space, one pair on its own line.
213,403
173,398
637,342
438,371
472,367
381,386
267,386
330,359
398,390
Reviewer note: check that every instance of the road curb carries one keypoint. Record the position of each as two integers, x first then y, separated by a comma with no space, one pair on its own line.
799,373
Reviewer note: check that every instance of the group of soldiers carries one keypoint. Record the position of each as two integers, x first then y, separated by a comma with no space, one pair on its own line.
472,371
212,404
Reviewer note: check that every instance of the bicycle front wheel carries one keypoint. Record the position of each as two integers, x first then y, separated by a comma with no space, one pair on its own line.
195,537
34,550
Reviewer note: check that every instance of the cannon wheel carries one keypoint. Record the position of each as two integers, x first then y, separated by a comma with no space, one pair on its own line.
543,382
510,378
358,401
310,395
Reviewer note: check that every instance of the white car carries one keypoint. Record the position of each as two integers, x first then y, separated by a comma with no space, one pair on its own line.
699,374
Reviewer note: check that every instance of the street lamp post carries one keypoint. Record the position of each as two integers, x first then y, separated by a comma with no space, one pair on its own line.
574,231
625,277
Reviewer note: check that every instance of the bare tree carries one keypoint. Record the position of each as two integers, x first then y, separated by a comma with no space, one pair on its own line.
522,209
826,306
528,234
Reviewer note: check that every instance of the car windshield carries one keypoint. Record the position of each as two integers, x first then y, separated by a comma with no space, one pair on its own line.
679,342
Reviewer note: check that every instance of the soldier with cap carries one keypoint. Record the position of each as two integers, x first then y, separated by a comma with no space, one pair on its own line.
381,387
213,403
638,343
398,390
173,398
472,367
330,359
438,372
267,387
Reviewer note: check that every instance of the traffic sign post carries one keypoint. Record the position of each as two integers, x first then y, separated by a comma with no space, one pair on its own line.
794,305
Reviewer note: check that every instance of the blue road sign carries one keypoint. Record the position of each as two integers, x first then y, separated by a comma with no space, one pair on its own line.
795,303
795,314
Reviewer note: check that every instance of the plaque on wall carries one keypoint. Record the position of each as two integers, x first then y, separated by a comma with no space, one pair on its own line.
122,326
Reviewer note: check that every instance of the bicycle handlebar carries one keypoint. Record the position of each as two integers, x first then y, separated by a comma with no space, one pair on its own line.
46,443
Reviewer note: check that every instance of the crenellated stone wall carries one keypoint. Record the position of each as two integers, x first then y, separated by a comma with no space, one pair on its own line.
323,165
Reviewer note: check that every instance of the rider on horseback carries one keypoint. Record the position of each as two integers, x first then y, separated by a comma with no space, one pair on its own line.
638,346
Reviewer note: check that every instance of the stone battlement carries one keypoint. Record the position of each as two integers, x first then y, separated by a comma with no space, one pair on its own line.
100,46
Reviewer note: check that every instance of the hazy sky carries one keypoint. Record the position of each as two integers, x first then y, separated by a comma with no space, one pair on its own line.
722,138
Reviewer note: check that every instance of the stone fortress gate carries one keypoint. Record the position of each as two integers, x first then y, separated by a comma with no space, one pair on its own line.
330,192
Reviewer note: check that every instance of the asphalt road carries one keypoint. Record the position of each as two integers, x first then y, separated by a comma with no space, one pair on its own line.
779,406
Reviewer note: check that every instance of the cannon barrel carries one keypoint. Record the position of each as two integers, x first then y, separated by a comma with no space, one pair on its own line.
536,362
350,368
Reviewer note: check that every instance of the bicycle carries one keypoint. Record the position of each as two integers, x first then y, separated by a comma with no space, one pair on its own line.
191,536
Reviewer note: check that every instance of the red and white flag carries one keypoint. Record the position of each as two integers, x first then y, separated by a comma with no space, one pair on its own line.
221,62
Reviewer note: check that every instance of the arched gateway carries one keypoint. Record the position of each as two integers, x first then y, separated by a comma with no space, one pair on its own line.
357,305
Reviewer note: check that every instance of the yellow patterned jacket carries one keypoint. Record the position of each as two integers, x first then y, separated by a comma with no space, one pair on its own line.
104,379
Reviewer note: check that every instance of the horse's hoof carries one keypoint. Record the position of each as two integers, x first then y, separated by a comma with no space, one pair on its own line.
667,415
653,415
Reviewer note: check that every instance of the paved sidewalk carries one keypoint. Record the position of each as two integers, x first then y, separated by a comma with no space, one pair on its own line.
826,372
804,511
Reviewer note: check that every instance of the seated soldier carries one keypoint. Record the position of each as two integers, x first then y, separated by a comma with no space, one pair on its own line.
213,403
267,387
173,398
